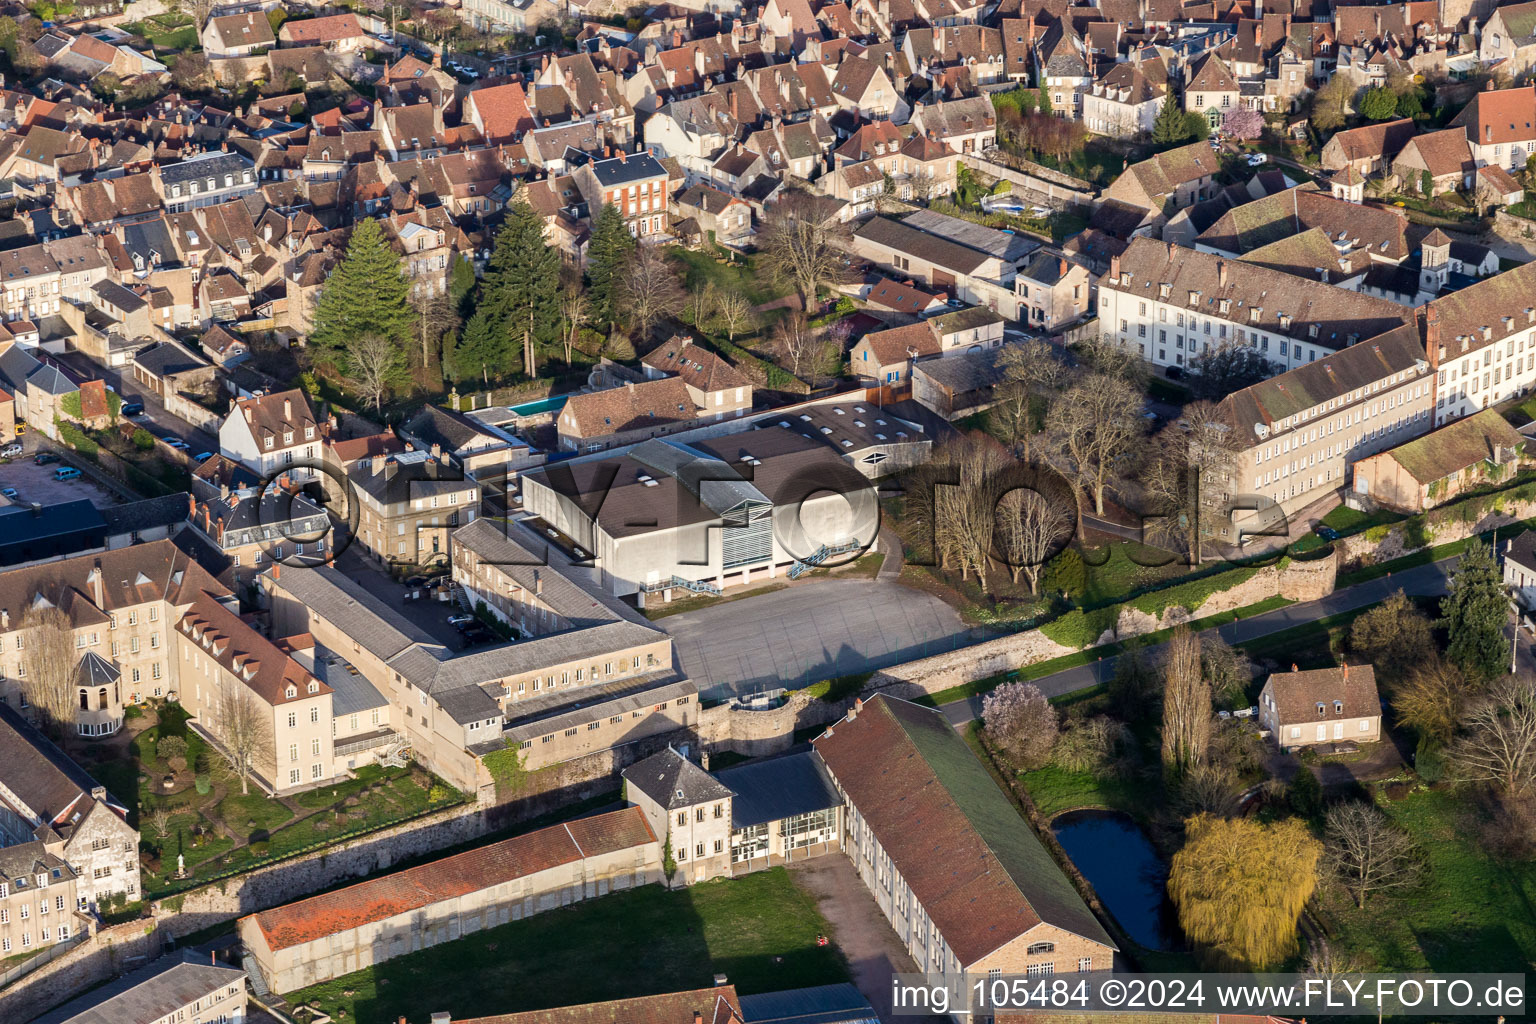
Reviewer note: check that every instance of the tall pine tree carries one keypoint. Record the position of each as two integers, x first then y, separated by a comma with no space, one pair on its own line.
1476,612
607,254
1170,126
521,294
367,293
461,283
483,352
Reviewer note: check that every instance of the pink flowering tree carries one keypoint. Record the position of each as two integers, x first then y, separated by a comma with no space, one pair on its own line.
1021,722
1243,123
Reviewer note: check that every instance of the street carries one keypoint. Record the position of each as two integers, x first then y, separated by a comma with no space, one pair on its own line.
1422,581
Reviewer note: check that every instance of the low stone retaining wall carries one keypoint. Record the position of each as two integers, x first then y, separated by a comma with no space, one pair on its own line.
1438,526
109,952
1058,187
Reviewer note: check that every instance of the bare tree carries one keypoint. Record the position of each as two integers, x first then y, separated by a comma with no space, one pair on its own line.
702,303
573,309
1429,700
373,364
795,341
1367,852
1186,703
1217,372
1500,742
1029,530
1033,375
735,312
50,682
434,318
158,822
1100,431
650,290
802,245
1189,475
244,732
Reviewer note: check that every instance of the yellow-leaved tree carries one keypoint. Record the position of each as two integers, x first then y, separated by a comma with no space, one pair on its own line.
1240,887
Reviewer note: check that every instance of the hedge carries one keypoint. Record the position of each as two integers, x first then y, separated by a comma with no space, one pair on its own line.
1079,629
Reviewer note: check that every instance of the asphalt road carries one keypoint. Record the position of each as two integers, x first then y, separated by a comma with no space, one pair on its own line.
1422,581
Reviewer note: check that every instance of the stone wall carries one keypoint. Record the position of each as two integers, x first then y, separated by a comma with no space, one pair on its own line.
768,731
1438,526
104,955
1058,188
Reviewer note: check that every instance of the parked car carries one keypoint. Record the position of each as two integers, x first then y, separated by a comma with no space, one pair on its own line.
10,451
202,456
132,409
175,442
1255,159
415,581
1174,373
43,458
66,473
1326,532
460,621
9,492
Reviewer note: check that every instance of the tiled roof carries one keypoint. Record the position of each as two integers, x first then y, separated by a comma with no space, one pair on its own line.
1297,694
245,653
265,416
899,296
696,365
971,861
1456,446
380,899
895,344
322,30
673,781
1504,304
155,992
630,407
1499,115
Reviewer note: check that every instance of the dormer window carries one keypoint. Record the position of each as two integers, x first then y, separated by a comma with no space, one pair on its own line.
266,442
1163,290
287,437
314,687
1338,707
1322,710
293,691
309,432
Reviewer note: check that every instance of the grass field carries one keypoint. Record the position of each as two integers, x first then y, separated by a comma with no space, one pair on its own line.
1055,789
699,267
759,931
1472,913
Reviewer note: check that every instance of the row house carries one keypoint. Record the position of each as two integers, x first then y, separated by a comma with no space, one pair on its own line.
1169,304
31,280
864,87
965,125
37,898
1063,68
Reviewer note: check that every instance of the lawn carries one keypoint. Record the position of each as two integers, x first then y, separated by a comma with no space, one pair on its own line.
169,31
1347,520
1472,913
759,931
1055,789
699,268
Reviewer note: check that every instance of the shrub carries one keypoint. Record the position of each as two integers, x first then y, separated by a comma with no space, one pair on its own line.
171,746
177,764
204,785
1306,794
132,711
1066,573
143,440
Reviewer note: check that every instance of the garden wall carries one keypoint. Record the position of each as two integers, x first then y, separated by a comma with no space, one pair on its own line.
1444,525
1060,187
758,733
1293,579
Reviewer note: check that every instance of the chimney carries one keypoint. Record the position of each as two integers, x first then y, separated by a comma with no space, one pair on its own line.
1063,267
538,582
1346,671
698,1018
98,593
1114,268
378,465
224,491
621,155
247,409
5,619
1294,668
1221,273
37,510
277,570
288,403
437,450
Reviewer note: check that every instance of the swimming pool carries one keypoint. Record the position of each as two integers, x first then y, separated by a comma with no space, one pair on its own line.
551,404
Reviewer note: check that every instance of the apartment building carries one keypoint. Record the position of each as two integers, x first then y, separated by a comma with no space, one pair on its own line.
408,504
688,809
37,898
995,901
273,433
46,796
634,183
1304,430
224,661
31,282
180,988
1481,340
253,530
1170,304
122,605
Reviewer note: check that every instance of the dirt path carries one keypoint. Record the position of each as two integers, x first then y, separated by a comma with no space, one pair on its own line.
858,928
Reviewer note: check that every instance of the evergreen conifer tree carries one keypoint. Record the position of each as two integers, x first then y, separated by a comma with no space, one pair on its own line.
1170,126
367,293
1475,614
609,250
521,294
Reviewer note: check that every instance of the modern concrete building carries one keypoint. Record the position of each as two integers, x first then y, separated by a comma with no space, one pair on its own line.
666,515
350,929
959,875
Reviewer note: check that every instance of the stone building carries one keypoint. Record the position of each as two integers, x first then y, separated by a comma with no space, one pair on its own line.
182,988
686,806
1432,469
350,929
969,890
1321,707
37,898
408,504
44,796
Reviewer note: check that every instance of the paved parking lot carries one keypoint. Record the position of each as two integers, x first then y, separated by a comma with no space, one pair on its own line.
811,632
36,483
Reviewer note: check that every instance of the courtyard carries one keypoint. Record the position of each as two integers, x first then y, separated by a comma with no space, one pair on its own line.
183,804
759,931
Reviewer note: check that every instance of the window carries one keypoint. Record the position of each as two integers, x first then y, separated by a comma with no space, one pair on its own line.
698,851
293,719
1037,969
1084,964
1037,948
293,777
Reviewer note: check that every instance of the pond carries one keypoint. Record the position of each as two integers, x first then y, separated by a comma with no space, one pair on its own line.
1115,855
